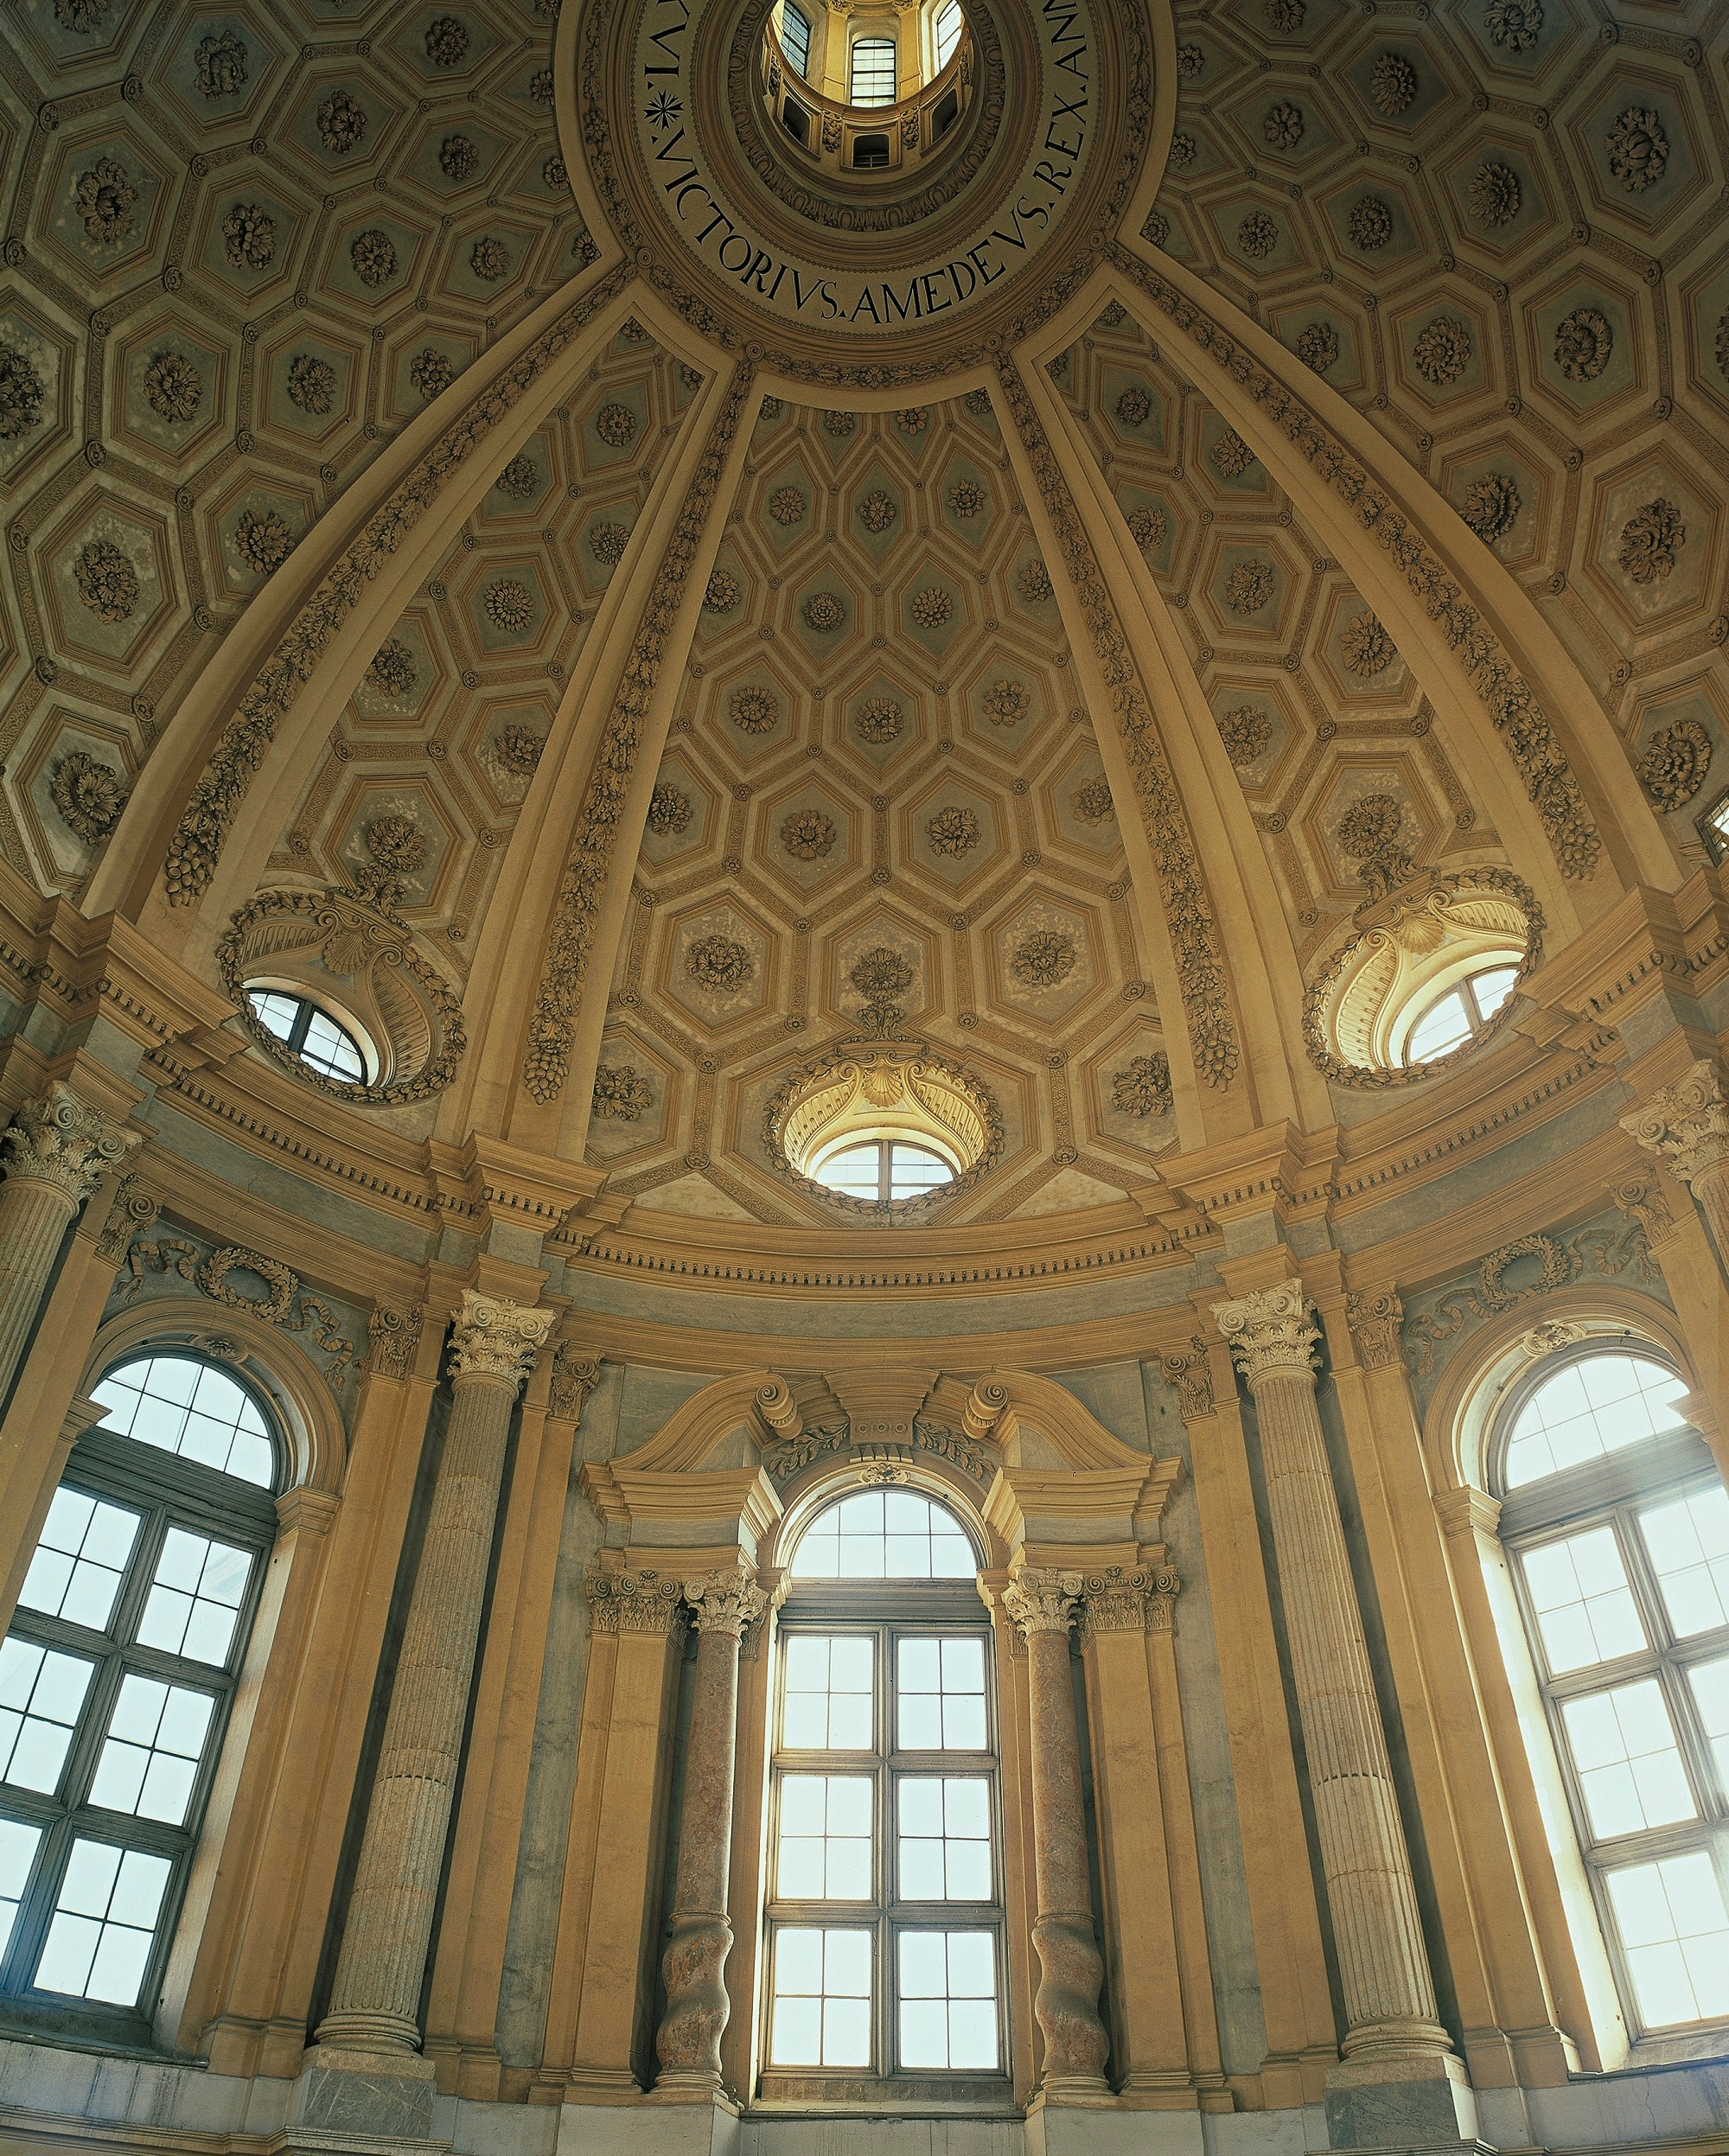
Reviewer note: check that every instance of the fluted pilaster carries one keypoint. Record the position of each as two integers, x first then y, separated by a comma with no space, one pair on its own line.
374,2003
1389,1996
687,2042
56,1149
1044,1605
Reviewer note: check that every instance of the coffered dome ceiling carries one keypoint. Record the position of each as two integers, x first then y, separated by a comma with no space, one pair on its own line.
466,462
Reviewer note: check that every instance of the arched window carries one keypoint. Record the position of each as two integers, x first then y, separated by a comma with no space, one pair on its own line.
1459,1014
885,1169
116,1681
873,71
884,1917
1618,1527
795,38
948,22
309,1032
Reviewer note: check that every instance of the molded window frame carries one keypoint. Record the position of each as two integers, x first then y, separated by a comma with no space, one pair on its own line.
887,1612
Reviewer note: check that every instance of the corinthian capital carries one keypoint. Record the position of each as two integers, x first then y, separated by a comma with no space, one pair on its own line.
1129,1599
1685,1125
1041,1601
496,1337
57,1140
634,1602
1270,1331
724,1602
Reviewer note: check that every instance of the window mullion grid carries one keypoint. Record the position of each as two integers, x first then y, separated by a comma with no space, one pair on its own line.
1666,1662
1671,1659
70,1817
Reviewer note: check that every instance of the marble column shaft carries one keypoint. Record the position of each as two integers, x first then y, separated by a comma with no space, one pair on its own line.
1044,1605
375,2001
56,1149
1389,1996
687,2042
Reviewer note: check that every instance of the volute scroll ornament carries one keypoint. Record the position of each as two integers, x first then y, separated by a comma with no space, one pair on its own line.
133,1210
1128,1599
1686,1125
395,1335
724,1602
1041,1600
575,1374
1374,1317
1271,1332
57,1139
1189,1372
496,1338
634,1602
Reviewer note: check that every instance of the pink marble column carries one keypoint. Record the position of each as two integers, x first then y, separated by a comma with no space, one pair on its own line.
1044,1605
687,2042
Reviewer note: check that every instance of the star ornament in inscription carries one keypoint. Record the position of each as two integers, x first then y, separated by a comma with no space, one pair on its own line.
662,109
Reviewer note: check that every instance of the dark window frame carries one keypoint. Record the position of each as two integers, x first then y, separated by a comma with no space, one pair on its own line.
165,1490
1611,1491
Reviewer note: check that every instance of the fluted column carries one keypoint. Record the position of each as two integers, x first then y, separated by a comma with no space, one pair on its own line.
56,1149
1389,1995
1686,1125
1044,1605
375,2001
687,2042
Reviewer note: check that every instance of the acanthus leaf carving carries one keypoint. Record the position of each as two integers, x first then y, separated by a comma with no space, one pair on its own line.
57,1139
496,1339
551,1028
1188,909
1271,1332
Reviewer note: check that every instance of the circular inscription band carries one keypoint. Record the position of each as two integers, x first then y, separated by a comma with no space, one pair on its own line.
1020,202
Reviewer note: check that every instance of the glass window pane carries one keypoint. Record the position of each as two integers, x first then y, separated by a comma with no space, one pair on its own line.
1629,1769
795,39
948,32
1688,1542
1585,1609
941,1695
828,1694
1492,989
18,1845
1442,1026
874,1535
1675,1933
948,1985
41,1695
105,1917
194,1597
80,1559
873,71
943,1838
1592,1407
825,1842
149,1758
193,1408
821,2010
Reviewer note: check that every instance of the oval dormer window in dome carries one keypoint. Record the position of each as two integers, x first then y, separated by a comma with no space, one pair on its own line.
870,92
883,1130
1432,971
